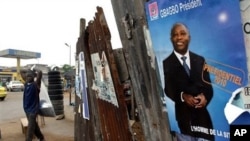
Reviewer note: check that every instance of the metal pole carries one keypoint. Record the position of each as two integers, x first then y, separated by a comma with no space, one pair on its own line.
70,94
69,53
70,56
70,66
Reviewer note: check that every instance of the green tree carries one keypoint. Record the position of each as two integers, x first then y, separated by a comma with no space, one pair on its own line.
66,68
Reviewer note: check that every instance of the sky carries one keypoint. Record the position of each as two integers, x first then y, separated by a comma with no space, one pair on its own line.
45,26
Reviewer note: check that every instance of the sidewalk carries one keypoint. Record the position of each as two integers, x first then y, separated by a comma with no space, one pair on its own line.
53,130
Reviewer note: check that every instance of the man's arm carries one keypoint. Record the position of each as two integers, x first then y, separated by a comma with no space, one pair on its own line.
206,93
208,88
39,75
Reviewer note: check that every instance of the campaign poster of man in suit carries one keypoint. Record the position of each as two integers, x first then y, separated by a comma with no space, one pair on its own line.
216,59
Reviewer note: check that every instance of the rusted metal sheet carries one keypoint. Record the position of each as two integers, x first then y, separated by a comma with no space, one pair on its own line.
114,119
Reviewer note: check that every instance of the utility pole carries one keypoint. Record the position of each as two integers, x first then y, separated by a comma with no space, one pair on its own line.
132,24
70,77
69,53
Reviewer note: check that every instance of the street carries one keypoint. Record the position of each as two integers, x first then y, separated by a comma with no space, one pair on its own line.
11,108
11,111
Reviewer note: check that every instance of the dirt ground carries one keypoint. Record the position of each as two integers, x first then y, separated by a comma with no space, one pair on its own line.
53,130
12,130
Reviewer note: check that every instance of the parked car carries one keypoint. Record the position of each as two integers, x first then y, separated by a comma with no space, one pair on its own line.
3,92
15,86
4,84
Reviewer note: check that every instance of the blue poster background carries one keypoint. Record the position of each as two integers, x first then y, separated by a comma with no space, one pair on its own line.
216,34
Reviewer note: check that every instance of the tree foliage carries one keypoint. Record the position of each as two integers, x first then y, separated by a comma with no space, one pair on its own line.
67,68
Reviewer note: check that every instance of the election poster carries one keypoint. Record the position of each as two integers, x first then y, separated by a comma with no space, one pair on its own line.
214,31
77,78
103,83
83,86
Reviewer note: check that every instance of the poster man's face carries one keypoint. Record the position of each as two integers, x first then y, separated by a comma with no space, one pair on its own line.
180,38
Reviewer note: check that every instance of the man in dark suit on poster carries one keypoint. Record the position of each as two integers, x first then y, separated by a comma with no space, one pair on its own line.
189,88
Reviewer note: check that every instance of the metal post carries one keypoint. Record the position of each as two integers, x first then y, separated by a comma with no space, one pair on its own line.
70,66
69,53
70,94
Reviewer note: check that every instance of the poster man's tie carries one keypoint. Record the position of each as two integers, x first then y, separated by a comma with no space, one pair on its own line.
185,65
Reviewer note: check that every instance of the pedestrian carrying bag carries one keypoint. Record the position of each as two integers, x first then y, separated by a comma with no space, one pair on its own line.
46,107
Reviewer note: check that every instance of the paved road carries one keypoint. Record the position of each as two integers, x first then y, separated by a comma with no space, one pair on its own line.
11,111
